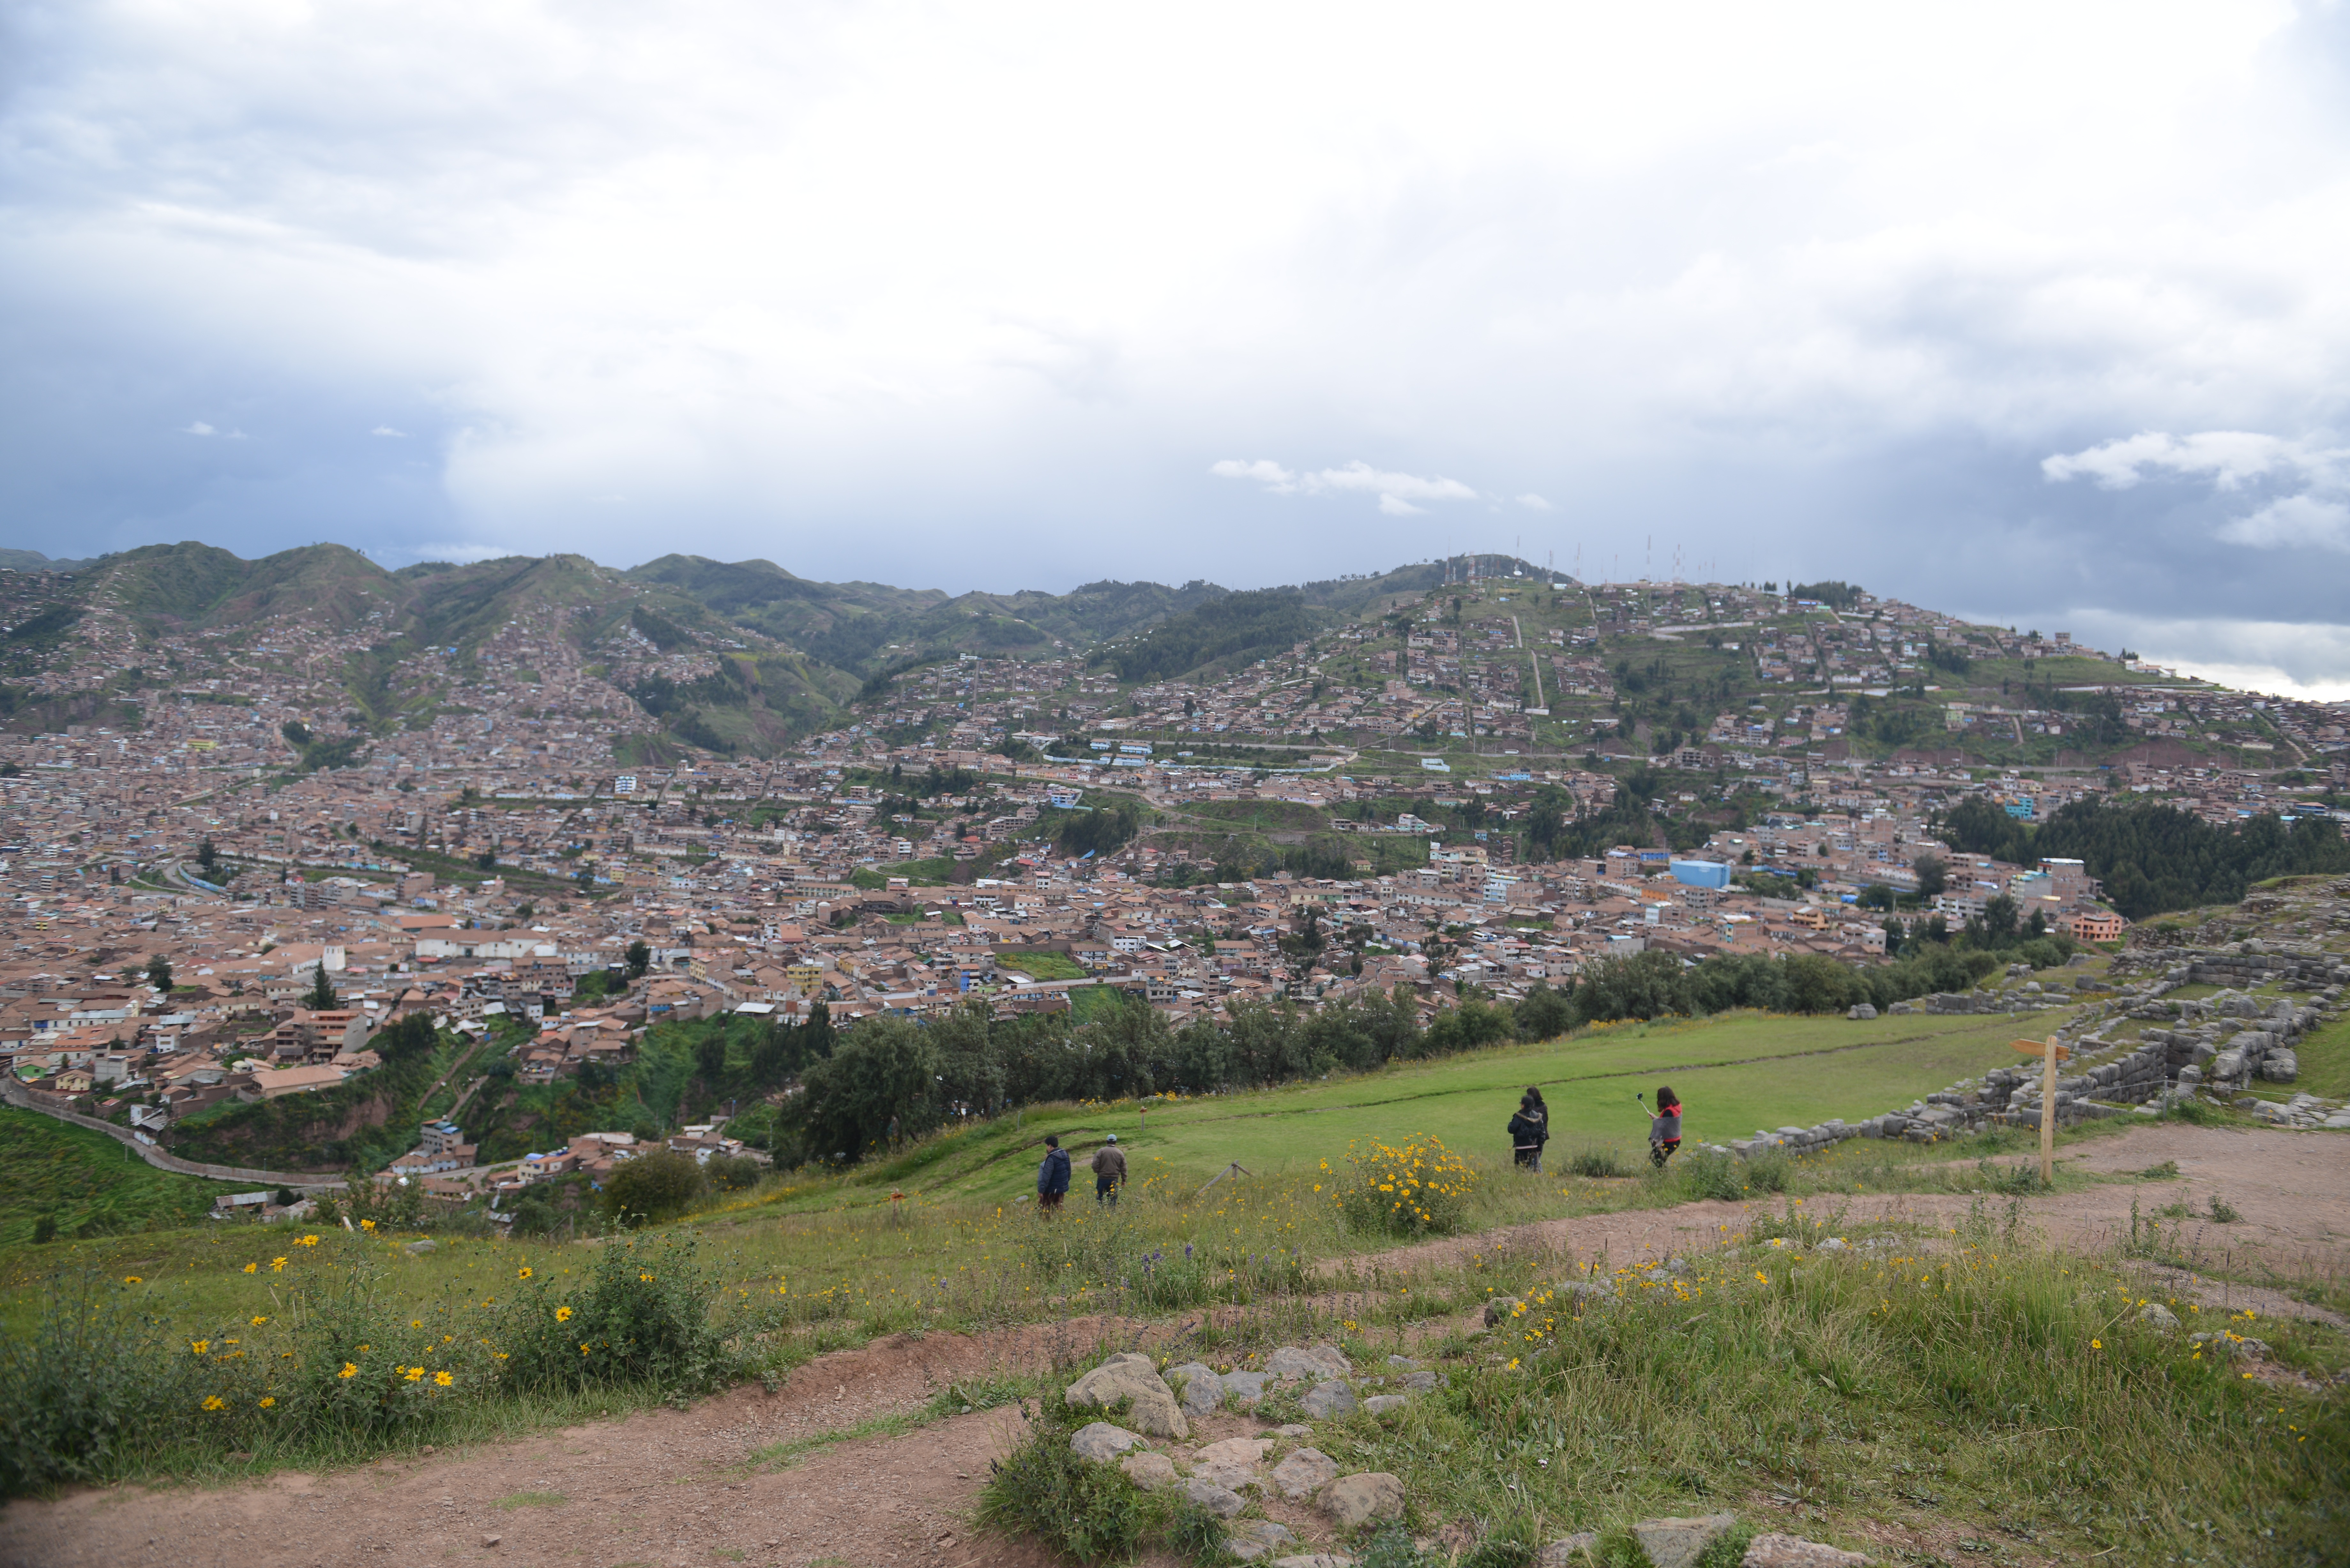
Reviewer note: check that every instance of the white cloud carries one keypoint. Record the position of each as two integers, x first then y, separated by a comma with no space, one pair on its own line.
1533,503
2228,458
2292,521
2311,516
388,430
1264,470
198,428
1397,492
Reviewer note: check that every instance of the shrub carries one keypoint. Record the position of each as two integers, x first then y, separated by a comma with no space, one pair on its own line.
642,1314
653,1187
1716,1175
1418,1188
365,1368
91,1382
733,1172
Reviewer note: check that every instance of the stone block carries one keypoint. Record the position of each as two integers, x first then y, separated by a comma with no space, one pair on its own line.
1290,1363
1305,1472
1776,1550
1102,1440
1132,1378
1328,1401
1250,1539
1149,1469
1219,1501
1356,1500
1200,1390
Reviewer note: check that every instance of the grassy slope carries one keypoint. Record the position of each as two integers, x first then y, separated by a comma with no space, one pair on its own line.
1735,1075
80,1177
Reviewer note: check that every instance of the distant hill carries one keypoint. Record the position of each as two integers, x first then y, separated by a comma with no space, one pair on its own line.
793,653
34,561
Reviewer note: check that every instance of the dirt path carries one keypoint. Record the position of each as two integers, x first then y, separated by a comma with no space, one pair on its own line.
670,1488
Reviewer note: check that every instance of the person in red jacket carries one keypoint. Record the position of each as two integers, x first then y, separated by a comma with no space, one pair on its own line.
1665,1125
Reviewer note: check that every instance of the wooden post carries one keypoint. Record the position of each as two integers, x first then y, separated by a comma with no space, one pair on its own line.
2050,1053
2048,1115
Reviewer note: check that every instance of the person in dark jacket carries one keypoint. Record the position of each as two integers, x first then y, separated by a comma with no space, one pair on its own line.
1665,1125
1529,1130
1053,1175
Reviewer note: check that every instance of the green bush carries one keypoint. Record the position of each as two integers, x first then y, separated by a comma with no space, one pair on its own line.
733,1172
653,1187
642,1314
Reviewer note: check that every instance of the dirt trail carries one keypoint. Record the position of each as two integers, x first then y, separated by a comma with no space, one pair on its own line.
668,1488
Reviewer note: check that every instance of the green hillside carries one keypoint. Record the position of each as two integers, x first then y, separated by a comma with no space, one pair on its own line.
85,1184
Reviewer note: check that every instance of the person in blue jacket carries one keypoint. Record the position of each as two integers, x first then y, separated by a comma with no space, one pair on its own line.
1053,1175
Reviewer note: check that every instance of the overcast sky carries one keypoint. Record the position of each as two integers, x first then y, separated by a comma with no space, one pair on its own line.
2037,312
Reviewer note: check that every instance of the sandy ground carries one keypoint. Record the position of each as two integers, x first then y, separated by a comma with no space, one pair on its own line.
671,1488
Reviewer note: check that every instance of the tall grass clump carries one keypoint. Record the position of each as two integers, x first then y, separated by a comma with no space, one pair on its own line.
1417,1188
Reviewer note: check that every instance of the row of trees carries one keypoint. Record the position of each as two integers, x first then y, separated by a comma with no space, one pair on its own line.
2151,856
922,1074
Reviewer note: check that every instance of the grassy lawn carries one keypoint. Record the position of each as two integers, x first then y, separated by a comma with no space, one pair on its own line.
1042,965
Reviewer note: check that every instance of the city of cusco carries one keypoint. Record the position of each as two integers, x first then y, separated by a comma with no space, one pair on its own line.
1532,787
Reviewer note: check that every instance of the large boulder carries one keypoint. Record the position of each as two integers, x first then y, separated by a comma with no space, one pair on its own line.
1305,1472
2281,1066
1132,1378
1354,1501
1680,1543
1861,1012
1200,1389
1241,1387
